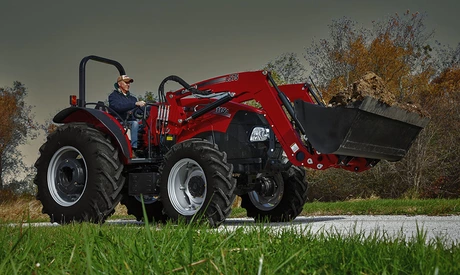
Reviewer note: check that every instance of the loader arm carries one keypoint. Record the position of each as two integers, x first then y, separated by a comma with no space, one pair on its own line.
256,86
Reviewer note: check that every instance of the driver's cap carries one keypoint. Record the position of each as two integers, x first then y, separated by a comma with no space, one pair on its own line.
125,78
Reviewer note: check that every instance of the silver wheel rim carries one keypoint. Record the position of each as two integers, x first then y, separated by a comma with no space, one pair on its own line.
267,203
187,186
67,176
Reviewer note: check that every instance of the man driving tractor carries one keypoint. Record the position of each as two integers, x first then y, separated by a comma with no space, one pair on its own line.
122,102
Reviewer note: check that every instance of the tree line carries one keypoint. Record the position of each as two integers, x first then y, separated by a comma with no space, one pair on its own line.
399,48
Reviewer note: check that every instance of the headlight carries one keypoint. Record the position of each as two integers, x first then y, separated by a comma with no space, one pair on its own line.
259,134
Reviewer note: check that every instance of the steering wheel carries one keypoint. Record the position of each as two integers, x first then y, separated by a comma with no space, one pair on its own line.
138,112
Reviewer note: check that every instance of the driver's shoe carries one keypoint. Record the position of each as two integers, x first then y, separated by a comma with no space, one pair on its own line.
138,153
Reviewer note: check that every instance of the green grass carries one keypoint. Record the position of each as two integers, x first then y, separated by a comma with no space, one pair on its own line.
384,207
184,249
169,249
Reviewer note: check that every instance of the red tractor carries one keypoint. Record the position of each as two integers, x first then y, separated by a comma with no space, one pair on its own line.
202,145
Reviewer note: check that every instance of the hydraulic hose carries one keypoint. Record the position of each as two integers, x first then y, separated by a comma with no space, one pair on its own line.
179,80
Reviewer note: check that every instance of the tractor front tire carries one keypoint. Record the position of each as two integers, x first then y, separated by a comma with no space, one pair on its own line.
197,183
79,175
286,205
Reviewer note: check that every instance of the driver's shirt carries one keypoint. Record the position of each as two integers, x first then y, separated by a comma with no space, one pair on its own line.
122,103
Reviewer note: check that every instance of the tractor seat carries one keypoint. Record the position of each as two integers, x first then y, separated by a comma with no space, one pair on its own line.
100,105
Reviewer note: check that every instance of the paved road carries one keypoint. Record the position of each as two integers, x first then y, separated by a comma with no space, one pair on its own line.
445,227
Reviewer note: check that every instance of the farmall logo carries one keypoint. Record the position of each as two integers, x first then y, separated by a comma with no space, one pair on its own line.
222,111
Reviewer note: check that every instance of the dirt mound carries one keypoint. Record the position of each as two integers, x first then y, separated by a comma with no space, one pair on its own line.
371,85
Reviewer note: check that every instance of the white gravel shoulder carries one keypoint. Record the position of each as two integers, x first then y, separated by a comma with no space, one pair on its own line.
444,228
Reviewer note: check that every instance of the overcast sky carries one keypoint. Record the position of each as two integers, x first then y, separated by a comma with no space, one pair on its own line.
43,41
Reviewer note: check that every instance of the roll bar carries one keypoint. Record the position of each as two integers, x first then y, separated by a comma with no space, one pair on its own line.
81,102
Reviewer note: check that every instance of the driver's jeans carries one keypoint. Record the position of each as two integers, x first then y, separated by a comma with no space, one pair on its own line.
134,127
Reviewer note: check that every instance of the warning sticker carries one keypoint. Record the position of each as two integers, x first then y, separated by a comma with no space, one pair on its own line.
294,147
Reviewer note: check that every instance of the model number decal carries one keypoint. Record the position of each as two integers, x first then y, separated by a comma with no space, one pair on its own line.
222,111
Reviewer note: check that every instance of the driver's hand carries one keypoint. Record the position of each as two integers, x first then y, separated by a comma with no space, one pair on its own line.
140,103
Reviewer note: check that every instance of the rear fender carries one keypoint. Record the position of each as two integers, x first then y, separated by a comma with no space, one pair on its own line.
101,120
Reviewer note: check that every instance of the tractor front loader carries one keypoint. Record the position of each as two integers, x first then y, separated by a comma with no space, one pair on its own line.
202,145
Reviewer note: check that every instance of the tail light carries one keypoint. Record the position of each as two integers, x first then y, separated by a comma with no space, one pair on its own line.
73,100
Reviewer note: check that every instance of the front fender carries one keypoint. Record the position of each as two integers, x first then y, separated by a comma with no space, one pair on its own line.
101,120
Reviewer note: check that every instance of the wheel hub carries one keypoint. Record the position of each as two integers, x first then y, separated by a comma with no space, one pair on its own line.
267,187
269,194
196,186
69,174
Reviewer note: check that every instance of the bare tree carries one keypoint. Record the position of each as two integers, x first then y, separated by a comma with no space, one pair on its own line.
288,68
325,56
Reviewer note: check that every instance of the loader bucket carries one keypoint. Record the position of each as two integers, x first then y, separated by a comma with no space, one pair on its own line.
371,129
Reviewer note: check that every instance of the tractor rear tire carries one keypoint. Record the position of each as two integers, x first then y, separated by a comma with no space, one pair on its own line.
79,175
153,209
292,198
197,183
